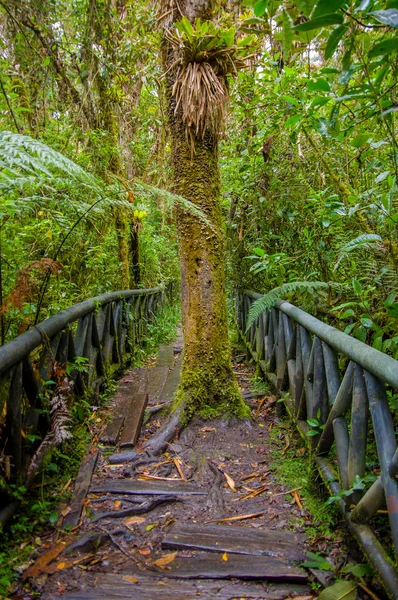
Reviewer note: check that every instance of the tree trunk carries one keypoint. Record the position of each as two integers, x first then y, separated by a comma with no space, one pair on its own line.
208,386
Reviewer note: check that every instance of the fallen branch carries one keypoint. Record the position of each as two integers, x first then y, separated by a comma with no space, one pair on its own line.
237,518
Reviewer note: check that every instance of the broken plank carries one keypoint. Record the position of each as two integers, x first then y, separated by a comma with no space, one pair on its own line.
112,586
237,540
165,357
134,383
111,432
133,420
211,565
81,488
154,488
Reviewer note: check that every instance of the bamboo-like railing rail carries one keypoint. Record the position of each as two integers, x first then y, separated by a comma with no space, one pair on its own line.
342,383
104,330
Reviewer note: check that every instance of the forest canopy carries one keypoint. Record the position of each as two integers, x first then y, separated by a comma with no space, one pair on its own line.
307,151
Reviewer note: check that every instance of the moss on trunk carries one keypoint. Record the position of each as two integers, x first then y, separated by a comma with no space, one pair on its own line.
208,386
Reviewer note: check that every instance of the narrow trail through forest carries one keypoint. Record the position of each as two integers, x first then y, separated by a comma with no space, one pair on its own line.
206,519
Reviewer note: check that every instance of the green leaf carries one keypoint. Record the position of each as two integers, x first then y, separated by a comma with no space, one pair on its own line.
360,570
291,121
360,334
361,140
324,21
312,433
53,518
229,37
387,17
291,100
46,61
357,287
334,40
382,176
313,422
305,6
389,301
347,313
287,30
346,590
320,85
260,7
385,47
366,322
325,7
185,26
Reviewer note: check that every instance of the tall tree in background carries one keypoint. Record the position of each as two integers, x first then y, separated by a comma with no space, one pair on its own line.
198,57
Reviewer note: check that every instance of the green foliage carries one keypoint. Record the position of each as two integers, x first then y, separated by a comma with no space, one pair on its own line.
268,300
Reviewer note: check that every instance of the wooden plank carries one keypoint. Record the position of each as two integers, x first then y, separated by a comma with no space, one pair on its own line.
165,357
210,565
114,585
172,383
81,488
237,540
111,432
133,384
156,380
151,488
133,420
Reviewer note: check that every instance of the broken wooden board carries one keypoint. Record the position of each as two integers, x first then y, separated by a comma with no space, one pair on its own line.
156,380
211,565
134,383
133,420
81,488
165,357
237,540
112,586
148,488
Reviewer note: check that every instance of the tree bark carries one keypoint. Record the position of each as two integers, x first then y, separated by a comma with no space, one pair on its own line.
208,386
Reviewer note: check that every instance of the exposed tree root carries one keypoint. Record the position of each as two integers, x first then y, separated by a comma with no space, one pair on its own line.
160,442
139,510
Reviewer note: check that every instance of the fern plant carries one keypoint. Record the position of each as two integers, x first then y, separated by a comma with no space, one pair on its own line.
269,300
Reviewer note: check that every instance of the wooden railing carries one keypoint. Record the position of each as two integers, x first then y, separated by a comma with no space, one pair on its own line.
340,385
104,330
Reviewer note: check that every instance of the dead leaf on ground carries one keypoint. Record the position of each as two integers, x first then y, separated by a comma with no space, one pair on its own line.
145,552
130,579
116,503
230,482
225,556
133,521
165,559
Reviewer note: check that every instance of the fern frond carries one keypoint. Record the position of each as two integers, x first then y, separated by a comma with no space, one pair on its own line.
365,240
149,190
267,301
24,159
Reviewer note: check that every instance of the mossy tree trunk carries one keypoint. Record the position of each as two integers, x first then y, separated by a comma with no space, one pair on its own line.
208,386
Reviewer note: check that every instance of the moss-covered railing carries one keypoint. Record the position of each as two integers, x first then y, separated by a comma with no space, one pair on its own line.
77,347
336,388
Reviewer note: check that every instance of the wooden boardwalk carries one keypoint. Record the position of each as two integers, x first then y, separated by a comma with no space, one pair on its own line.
146,536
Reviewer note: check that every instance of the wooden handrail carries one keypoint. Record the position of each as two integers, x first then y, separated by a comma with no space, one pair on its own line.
337,382
103,330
